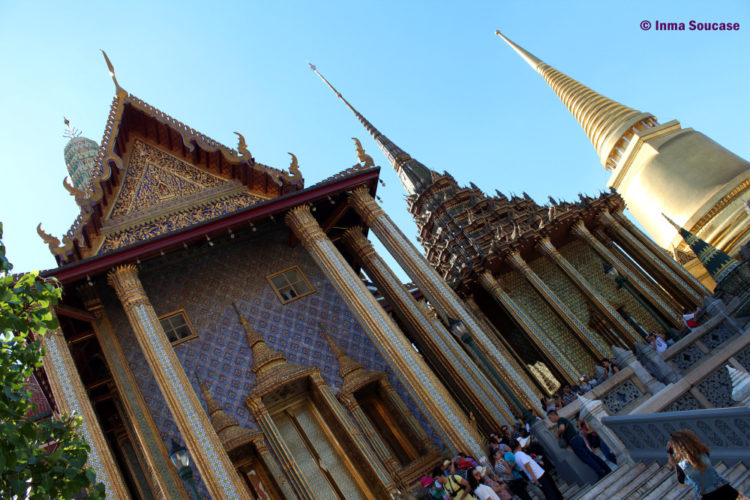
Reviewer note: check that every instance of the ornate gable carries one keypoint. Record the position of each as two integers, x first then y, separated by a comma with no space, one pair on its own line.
162,193
203,180
154,177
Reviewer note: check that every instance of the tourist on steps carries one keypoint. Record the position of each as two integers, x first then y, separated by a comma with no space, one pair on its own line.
507,472
567,431
454,486
689,455
594,441
535,473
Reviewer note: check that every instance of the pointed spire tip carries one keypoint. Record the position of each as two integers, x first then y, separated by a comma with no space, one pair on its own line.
530,58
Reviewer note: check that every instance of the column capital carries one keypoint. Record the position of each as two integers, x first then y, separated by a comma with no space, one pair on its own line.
348,401
489,282
606,218
545,246
256,406
304,225
579,229
91,300
514,259
124,279
364,204
356,240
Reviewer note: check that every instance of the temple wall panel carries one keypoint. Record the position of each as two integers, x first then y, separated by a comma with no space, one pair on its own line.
591,266
204,285
567,291
523,293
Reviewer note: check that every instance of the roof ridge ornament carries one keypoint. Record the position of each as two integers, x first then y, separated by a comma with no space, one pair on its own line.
363,157
120,91
294,174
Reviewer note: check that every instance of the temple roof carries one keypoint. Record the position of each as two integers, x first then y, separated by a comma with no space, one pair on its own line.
132,121
465,231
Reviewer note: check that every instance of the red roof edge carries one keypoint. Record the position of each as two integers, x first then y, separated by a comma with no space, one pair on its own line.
93,265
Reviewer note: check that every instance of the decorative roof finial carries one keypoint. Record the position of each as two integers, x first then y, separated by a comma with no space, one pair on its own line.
112,72
71,132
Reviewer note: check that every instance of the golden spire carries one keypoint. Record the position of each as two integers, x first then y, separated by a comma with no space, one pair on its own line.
264,357
605,121
414,176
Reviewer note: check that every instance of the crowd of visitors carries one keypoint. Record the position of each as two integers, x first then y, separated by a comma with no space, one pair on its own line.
605,369
516,464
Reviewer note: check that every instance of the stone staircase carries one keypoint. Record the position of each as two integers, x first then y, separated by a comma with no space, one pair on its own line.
639,481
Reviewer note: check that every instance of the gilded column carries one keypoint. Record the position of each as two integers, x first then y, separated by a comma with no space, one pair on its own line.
201,440
440,295
551,351
71,398
371,434
546,247
670,269
587,337
439,406
150,444
378,467
276,441
468,378
580,230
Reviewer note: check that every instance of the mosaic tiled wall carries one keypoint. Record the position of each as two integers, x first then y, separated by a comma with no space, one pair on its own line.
205,286
528,298
568,292
591,266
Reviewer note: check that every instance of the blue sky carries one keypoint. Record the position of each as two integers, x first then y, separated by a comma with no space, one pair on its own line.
430,75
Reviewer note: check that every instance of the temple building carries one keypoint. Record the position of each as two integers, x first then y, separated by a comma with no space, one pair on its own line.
661,168
532,277
217,303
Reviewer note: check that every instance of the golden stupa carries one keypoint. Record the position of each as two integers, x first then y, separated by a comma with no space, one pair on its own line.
661,167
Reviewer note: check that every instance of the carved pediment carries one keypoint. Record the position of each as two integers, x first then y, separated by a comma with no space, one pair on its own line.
162,193
154,177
